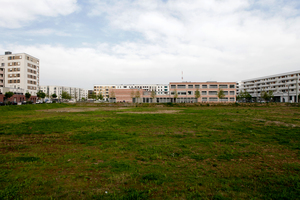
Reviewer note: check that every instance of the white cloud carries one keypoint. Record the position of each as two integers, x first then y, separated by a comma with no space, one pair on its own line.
47,32
217,40
16,13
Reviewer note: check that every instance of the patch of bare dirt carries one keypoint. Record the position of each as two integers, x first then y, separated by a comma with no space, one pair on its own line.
277,123
154,112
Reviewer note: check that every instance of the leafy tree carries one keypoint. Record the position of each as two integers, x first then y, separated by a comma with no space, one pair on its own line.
267,95
53,96
41,94
100,96
27,95
8,94
197,94
153,95
175,95
93,96
247,96
65,95
221,94
244,96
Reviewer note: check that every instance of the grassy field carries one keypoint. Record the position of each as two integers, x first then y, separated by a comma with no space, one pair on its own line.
60,151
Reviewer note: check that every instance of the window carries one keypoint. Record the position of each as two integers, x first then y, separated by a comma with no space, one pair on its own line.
213,86
231,98
204,86
232,92
232,86
226,92
213,99
204,98
2,64
223,86
212,92
204,92
173,86
197,86
181,86
224,99
190,86
190,93
181,93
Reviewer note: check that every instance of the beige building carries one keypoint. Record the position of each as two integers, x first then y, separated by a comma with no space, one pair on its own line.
19,71
105,90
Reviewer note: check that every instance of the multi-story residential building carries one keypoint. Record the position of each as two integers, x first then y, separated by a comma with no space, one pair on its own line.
104,90
76,93
160,89
19,71
285,86
208,91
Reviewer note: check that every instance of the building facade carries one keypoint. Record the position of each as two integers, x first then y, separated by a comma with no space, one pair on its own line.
19,71
76,93
285,86
186,91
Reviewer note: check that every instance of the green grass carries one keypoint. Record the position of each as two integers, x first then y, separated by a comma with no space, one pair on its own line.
204,152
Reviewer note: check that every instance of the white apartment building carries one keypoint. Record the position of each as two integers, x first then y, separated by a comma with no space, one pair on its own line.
160,89
285,86
76,93
19,71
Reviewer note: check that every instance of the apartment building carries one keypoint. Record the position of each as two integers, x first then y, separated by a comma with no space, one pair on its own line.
186,91
285,86
76,93
19,71
104,90
160,89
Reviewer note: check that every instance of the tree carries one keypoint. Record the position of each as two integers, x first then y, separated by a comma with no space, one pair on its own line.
247,96
153,95
221,94
244,96
100,96
197,94
53,96
267,95
137,96
8,95
112,94
41,94
27,95
65,95
132,94
175,95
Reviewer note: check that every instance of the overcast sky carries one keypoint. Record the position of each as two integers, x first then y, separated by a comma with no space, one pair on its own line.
85,42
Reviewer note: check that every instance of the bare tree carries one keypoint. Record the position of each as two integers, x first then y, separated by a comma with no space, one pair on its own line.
137,96
153,95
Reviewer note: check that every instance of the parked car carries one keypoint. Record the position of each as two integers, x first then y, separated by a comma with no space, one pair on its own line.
24,102
2,104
